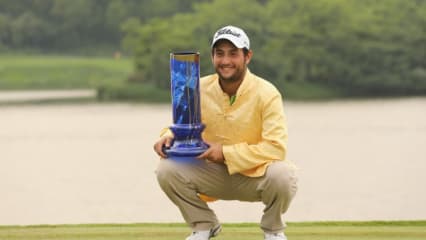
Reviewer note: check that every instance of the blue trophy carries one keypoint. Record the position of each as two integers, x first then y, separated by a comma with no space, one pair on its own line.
185,91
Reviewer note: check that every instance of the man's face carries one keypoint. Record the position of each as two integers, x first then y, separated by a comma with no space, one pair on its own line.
229,61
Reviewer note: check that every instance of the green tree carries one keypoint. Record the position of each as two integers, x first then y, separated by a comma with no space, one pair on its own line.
362,47
152,42
27,30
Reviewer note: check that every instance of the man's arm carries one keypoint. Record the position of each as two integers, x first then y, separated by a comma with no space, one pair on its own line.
249,158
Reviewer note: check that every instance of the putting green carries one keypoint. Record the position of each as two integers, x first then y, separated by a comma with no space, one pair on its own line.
404,230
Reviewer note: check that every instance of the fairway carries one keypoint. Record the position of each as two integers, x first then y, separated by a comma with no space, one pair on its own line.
406,230
34,72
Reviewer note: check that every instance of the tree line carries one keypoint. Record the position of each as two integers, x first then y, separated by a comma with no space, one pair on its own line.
78,25
353,47
356,47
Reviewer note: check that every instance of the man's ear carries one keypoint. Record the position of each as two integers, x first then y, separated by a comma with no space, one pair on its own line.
249,56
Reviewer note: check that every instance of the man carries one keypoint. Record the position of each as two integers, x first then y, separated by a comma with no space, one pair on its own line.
247,135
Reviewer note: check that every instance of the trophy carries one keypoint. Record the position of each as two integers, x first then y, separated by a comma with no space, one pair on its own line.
185,92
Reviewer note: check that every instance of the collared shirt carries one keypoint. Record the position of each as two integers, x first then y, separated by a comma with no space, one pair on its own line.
252,130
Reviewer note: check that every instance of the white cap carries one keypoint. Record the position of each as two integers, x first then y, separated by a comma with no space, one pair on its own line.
234,34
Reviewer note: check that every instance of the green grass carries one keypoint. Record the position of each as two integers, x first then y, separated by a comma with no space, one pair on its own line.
33,72
107,75
404,230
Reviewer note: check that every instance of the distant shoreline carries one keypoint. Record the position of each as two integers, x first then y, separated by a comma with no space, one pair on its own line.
16,96
61,95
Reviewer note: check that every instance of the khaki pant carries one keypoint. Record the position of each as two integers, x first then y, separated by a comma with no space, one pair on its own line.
182,183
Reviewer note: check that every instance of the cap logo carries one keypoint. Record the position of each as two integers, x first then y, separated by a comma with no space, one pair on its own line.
234,34
227,31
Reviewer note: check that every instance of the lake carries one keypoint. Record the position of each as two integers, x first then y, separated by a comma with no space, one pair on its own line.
94,163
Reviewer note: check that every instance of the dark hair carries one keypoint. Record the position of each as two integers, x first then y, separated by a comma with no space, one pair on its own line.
245,51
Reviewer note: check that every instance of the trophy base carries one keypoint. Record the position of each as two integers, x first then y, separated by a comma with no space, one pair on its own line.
185,155
187,144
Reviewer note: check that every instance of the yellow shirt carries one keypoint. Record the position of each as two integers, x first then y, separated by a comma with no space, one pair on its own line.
253,130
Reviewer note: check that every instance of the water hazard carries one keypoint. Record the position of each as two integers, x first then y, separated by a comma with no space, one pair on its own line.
358,160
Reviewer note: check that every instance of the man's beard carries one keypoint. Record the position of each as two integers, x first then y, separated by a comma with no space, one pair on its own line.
237,76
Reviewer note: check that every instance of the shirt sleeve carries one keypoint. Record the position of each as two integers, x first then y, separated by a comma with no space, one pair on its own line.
252,159
166,132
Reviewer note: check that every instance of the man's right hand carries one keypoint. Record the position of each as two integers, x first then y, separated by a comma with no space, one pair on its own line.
166,142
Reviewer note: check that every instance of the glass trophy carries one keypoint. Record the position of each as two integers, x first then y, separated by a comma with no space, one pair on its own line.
185,92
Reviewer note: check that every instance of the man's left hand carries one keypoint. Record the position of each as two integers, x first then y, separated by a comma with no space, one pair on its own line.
214,153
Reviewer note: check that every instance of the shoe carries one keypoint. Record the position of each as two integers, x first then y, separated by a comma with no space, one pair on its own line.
205,235
275,236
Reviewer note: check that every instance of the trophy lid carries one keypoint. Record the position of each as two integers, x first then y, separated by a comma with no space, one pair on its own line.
185,56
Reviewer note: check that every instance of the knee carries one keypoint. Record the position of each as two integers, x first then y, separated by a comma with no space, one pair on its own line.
282,179
166,172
